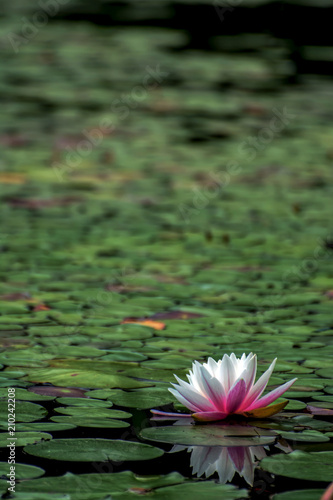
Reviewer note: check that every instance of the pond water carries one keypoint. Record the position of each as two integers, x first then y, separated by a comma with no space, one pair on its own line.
164,198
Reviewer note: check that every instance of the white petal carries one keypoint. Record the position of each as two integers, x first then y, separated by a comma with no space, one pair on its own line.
248,468
193,396
188,404
212,366
250,373
225,467
227,373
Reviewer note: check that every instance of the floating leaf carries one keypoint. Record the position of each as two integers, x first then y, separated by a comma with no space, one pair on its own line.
44,426
301,465
141,398
311,436
81,421
314,410
23,438
86,402
25,395
126,485
83,378
65,392
22,471
210,435
91,412
24,411
89,450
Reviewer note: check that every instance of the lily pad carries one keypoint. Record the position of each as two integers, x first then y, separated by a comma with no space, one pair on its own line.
23,438
311,436
64,392
91,412
89,450
210,435
126,485
22,471
44,426
24,411
77,421
141,398
83,378
25,395
301,465
86,402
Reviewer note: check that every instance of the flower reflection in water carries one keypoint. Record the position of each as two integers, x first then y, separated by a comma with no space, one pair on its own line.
227,460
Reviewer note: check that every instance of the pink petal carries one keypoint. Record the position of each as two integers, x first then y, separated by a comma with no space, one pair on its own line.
207,416
258,388
213,390
271,396
170,415
236,396
237,455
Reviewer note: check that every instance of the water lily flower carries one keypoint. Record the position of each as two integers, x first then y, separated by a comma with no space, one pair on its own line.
217,389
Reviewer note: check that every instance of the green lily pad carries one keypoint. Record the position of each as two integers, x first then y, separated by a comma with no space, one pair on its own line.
23,438
88,450
327,399
25,395
78,421
22,471
197,490
325,372
125,485
99,393
54,392
44,426
311,423
293,404
83,378
141,398
24,411
124,356
91,412
86,402
50,496
301,465
210,435
311,436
